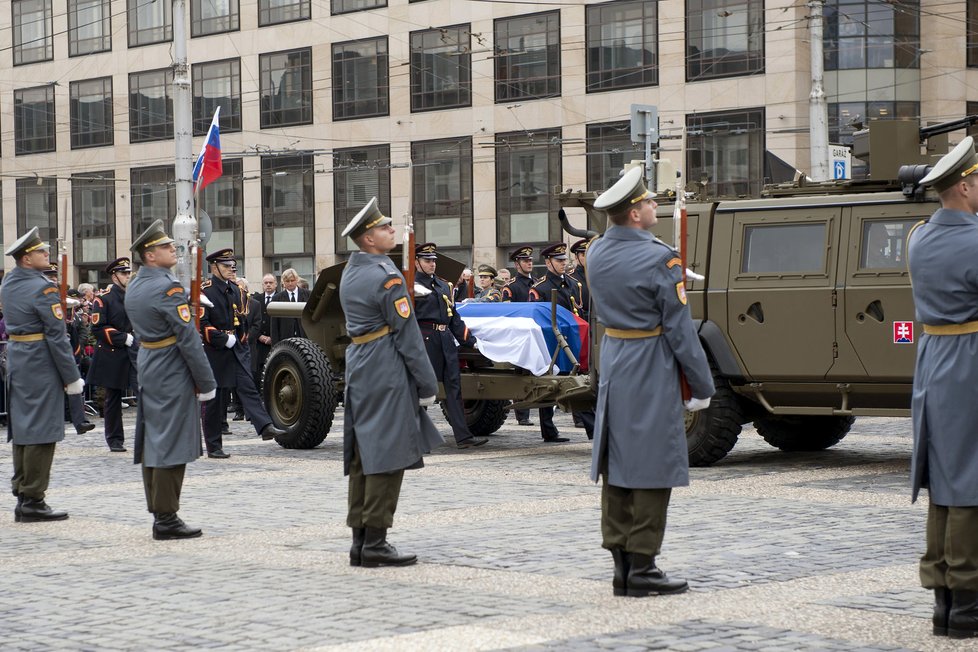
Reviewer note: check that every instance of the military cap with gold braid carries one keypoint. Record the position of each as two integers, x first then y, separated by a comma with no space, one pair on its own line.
522,252
119,265
222,256
27,243
626,192
427,250
953,166
558,251
151,237
487,270
50,270
368,218
580,246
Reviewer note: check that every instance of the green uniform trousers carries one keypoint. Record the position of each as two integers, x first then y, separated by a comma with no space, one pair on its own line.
32,469
633,519
372,498
162,488
951,558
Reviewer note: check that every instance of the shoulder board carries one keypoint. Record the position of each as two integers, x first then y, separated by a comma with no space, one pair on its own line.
174,290
205,284
388,266
50,290
107,290
539,281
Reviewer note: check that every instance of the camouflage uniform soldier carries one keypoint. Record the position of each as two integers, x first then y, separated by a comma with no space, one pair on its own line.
174,377
640,440
487,292
389,381
945,461
40,369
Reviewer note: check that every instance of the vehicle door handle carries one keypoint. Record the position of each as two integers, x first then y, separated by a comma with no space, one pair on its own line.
874,310
754,311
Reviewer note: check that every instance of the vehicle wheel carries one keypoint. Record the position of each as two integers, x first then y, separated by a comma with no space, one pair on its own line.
713,432
483,417
300,392
803,433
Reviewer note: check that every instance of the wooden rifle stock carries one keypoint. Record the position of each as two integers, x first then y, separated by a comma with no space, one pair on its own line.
407,264
63,284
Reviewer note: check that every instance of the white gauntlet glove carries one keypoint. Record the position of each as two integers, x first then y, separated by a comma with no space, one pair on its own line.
75,388
232,340
203,397
426,401
697,404
129,339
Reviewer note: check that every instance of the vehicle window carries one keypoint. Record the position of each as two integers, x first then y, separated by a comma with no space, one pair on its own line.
884,243
784,248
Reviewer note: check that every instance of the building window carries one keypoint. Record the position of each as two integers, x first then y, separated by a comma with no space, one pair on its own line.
217,84
150,22
346,6
971,46
273,12
725,152
441,68
286,88
621,45
845,118
213,17
724,38
287,205
91,113
527,168
872,34
32,31
609,148
359,173
223,201
150,106
152,196
93,216
37,205
360,79
527,57
89,26
441,171
34,120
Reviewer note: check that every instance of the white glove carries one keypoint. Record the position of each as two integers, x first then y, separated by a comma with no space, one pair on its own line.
694,276
129,339
426,401
697,404
204,301
420,290
232,340
75,388
203,397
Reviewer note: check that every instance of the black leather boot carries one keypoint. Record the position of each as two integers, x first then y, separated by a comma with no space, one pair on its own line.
357,548
621,570
644,578
170,526
20,503
962,622
942,609
377,552
34,510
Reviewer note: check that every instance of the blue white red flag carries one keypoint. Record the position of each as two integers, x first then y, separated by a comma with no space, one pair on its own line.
208,166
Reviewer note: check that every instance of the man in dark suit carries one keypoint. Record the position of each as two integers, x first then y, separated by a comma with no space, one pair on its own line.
261,338
285,327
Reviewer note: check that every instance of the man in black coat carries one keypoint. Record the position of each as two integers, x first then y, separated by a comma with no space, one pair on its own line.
286,327
261,338
223,331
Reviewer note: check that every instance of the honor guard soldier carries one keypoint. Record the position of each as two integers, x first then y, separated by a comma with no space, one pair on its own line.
639,451
944,273
568,296
389,382
487,292
579,249
114,363
440,328
40,370
174,378
222,330
518,291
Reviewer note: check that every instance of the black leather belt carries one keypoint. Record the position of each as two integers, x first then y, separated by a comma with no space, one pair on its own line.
432,326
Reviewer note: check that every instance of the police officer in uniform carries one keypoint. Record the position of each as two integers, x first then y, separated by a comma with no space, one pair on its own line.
114,363
389,382
640,441
40,370
440,328
174,378
487,292
222,330
579,249
518,290
944,273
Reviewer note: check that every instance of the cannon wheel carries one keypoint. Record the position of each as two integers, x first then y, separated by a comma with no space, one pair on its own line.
483,417
300,392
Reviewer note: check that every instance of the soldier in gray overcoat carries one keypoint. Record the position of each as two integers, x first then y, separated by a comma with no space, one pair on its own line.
944,274
639,439
389,382
174,378
40,369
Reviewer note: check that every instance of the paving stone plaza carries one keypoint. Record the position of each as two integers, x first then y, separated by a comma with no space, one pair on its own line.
782,552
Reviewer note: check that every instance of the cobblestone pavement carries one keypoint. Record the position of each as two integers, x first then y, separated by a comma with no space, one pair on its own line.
782,551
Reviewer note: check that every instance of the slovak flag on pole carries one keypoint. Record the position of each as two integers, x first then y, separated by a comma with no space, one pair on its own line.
208,166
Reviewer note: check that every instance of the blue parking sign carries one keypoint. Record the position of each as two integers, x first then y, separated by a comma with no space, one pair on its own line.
839,170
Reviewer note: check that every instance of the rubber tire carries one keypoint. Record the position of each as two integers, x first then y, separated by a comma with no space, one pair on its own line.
483,417
713,432
803,433
300,392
